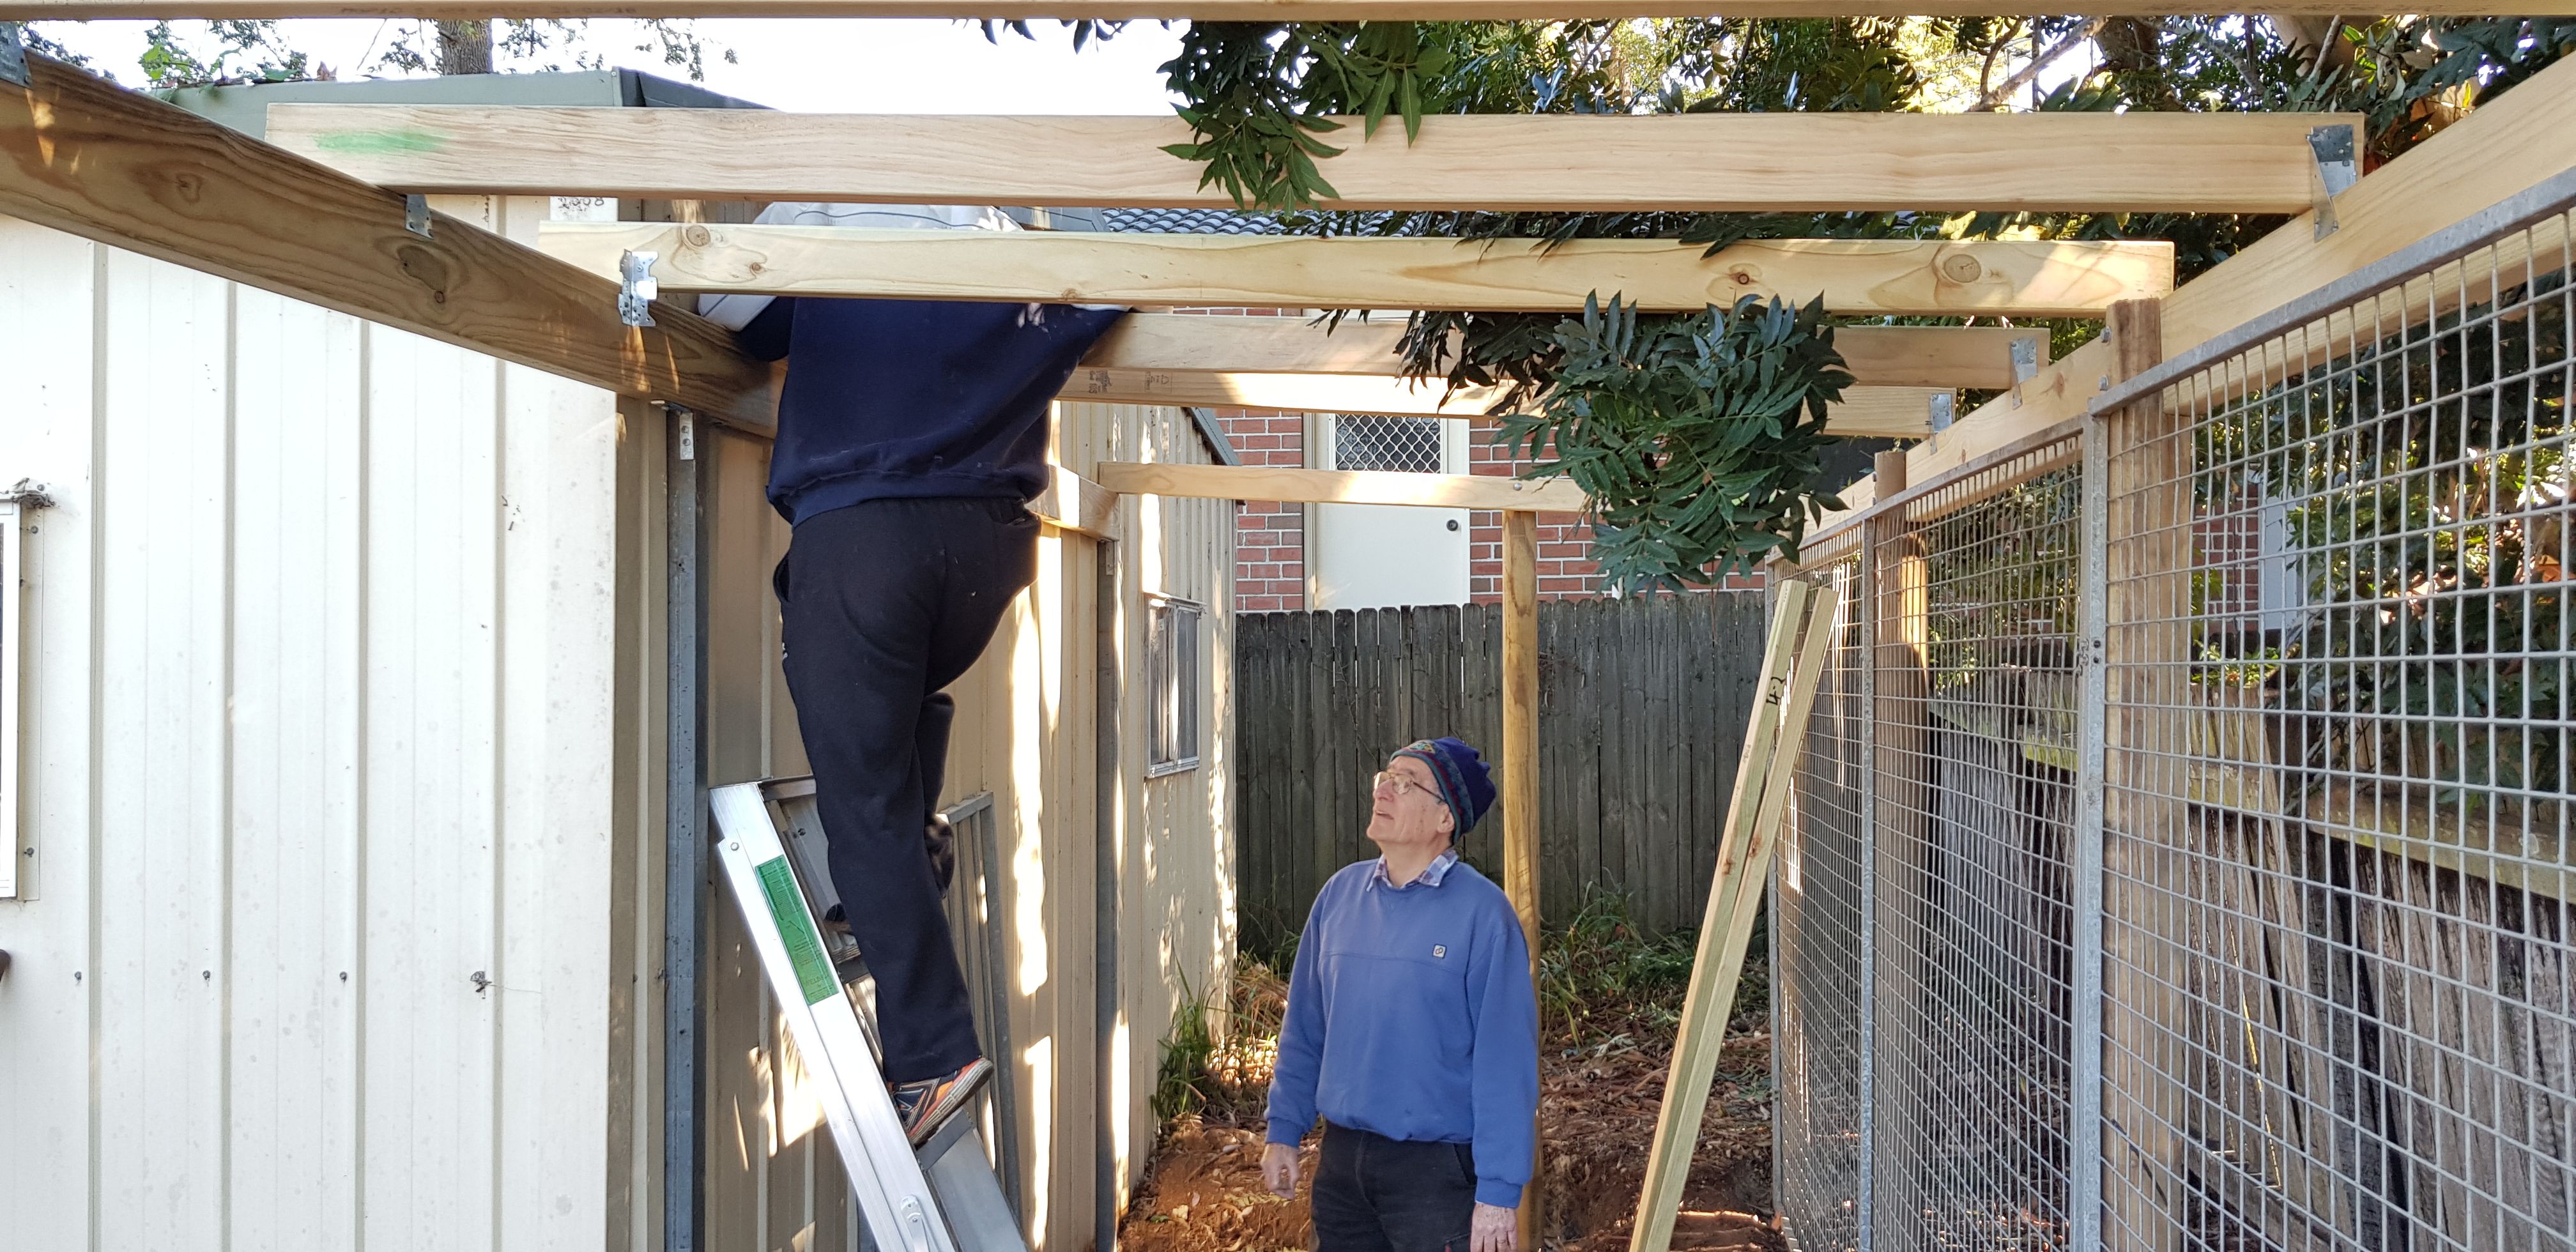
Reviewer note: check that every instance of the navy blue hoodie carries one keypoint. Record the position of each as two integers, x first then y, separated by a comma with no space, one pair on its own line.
912,398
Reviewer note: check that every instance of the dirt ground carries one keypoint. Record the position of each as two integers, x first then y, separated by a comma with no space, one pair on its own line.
1597,1110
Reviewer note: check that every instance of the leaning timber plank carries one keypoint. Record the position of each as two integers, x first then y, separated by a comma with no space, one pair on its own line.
1863,412
1866,277
1772,740
1878,356
1171,10
1713,162
86,157
1314,486
2500,149
1072,502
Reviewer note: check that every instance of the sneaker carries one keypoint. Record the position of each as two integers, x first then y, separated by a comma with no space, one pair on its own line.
939,839
927,1105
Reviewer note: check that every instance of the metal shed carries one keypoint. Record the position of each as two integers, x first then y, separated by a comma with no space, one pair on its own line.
371,683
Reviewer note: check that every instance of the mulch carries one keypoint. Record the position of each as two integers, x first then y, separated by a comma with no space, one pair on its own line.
1203,1191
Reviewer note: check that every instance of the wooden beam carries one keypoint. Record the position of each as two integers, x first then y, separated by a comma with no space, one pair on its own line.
1314,486
1296,393
1864,277
2497,151
1200,10
1520,781
1801,627
1072,502
84,156
1948,357
1710,162
1865,412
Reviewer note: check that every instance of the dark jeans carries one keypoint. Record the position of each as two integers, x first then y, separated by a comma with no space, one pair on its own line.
1375,1194
886,602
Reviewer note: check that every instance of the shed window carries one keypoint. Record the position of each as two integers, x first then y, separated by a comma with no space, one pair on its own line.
11,645
1172,703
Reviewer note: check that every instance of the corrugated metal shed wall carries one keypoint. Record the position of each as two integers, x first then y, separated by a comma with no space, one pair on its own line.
325,783
374,626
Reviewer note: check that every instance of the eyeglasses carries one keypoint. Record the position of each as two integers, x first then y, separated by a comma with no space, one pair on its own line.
1387,778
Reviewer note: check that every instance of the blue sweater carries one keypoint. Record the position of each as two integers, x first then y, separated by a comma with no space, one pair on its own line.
1410,1015
914,397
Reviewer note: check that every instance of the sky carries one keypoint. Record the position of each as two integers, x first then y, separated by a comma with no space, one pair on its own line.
810,65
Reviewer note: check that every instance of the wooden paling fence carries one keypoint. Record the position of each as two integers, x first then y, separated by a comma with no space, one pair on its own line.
1642,708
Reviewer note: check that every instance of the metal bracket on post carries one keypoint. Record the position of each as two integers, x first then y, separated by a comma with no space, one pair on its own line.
1945,410
416,215
2338,168
637,289
13,56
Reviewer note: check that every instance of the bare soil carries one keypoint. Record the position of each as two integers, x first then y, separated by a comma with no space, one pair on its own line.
1203,1191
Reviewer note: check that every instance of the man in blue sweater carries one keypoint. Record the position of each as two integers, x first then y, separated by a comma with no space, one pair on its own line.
911,436
1412,1028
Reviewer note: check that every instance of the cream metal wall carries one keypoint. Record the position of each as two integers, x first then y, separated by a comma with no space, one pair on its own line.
343,761
330,782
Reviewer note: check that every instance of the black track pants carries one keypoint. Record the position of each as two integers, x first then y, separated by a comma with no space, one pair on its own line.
885,603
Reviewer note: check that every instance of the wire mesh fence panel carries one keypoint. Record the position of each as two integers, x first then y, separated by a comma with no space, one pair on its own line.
1816,970
1974,707
2338,1007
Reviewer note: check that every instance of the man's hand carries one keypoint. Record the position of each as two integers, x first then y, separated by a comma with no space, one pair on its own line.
1496,1229
1279,1169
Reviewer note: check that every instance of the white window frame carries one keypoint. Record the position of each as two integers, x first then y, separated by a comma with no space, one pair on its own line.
13,579
1173,675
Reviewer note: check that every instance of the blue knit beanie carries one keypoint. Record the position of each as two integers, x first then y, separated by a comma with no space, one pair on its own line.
1464,785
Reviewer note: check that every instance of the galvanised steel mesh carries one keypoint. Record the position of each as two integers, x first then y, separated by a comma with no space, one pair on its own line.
1975,736
2340,1001
1816,932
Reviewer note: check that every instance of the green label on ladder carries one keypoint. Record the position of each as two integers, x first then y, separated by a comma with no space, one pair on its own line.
804,949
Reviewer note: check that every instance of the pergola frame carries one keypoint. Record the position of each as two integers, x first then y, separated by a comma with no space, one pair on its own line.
82,156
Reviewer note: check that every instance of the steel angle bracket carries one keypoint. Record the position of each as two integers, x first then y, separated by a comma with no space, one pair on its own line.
13,56
2025,365
416,214
637,289
1945,410
2338,166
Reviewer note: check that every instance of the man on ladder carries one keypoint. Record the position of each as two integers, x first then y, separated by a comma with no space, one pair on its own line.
911,436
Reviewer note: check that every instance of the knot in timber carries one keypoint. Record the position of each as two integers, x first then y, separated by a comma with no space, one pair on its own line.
696,236
1745,275
426,267
1959,267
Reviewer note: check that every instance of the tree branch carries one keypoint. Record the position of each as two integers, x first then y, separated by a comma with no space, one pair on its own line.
2073,40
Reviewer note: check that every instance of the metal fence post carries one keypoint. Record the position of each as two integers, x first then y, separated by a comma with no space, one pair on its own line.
2084,863
684,850
1890,480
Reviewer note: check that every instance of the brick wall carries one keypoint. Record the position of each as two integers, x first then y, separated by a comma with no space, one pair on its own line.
1269,538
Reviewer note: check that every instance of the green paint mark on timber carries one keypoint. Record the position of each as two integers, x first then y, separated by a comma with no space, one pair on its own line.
804,946
380,142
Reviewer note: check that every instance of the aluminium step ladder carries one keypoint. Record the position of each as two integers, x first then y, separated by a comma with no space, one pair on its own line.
944,1198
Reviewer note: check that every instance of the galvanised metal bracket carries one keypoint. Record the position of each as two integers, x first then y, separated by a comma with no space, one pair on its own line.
416,215
2025,360
2338,168
1945,410
13,56
637,289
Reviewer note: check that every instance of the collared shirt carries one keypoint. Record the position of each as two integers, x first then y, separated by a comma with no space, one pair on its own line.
1430,876
1411,1015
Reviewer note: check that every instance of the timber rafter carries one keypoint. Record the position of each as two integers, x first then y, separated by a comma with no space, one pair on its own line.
84,156
1866,277
1726,162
